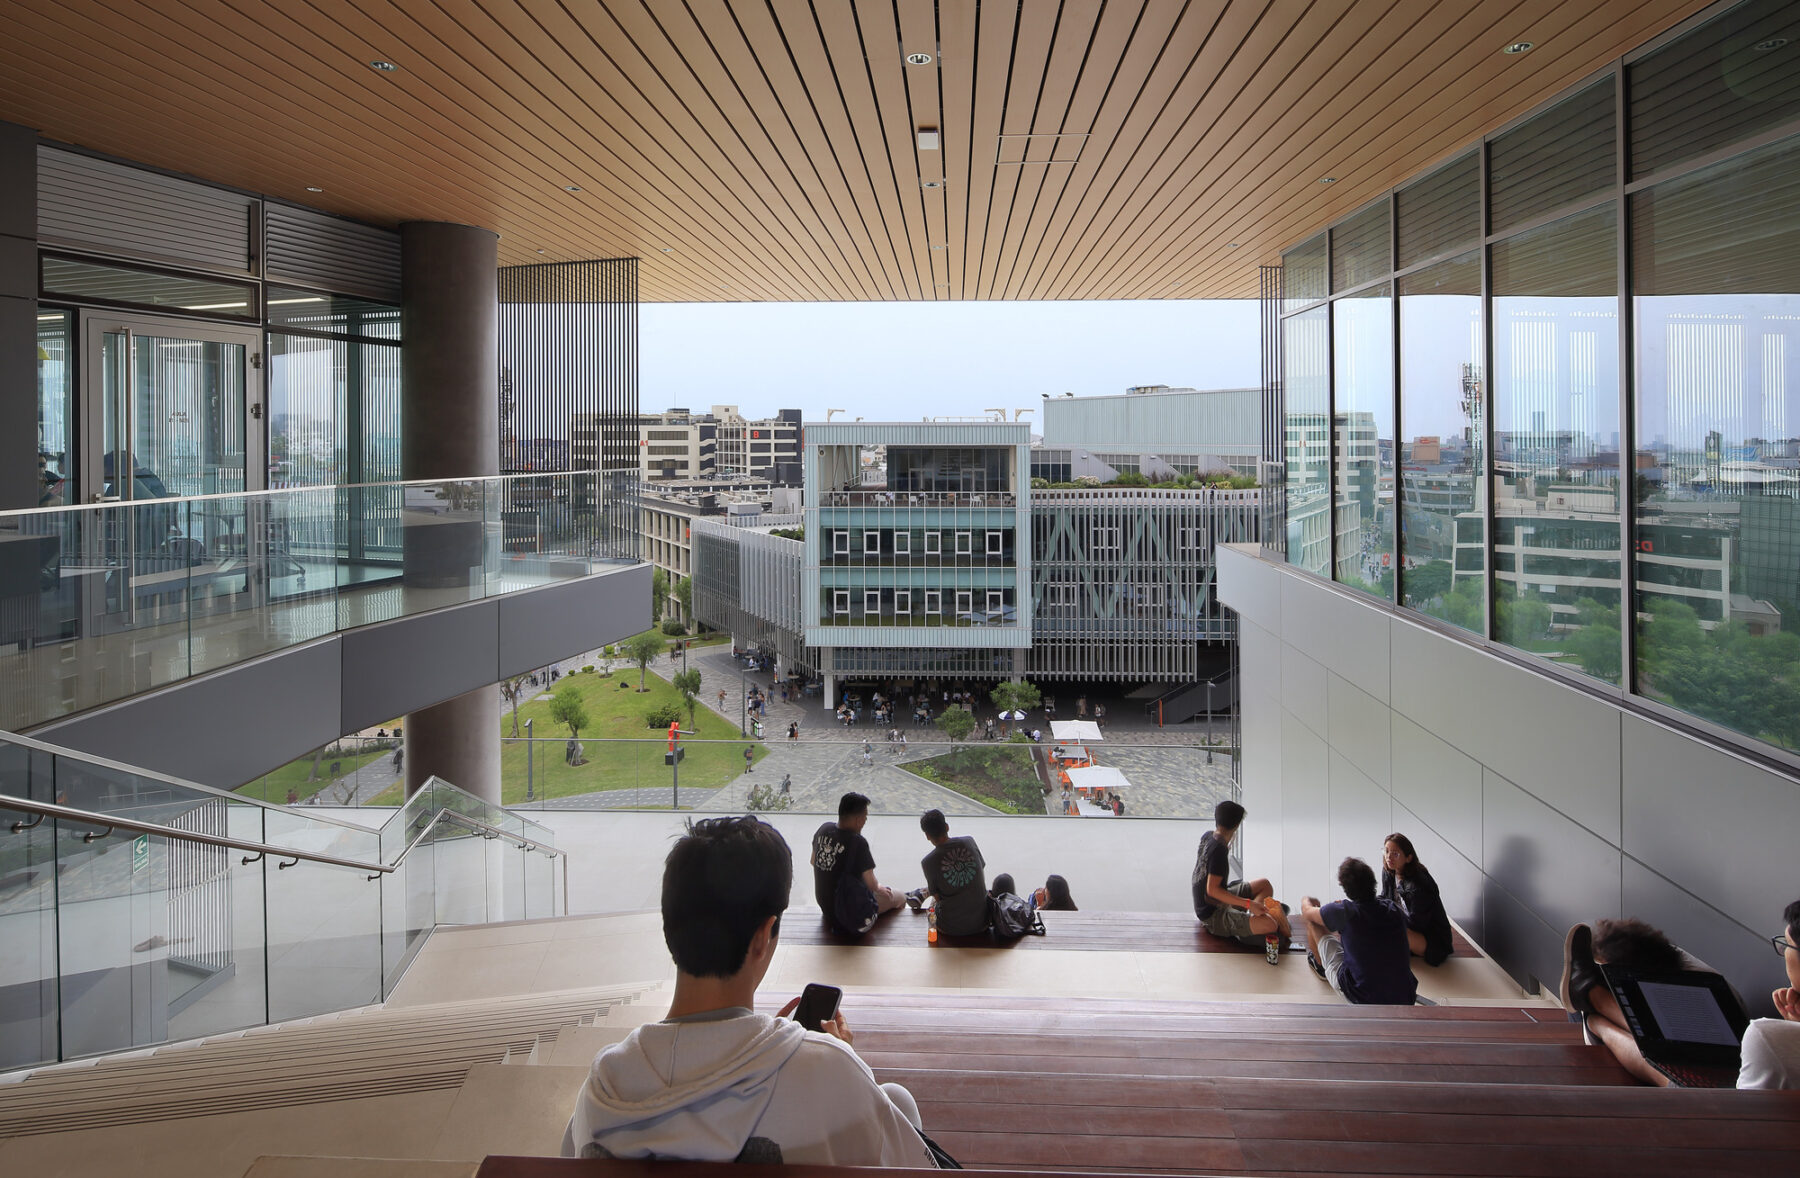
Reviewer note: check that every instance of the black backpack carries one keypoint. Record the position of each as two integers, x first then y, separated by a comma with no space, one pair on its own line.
1011,917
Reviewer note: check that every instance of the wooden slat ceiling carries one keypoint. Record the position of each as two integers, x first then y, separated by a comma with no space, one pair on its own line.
765,150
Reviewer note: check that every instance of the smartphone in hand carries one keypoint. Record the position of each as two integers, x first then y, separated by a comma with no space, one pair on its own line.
817,1004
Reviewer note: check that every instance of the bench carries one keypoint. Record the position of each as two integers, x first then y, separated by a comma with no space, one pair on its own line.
1130,932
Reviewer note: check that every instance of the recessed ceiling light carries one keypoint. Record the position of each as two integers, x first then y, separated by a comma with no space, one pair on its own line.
386,67
540,251
1174,284
310,188
931,184
918,59
1328,179
571,188
668,249
1518,47
1231,245
943,286
940,247
1771,43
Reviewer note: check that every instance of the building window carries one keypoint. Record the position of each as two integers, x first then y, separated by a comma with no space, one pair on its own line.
934,601
965,543
1192,540
840,601
872,603
996,602
1061,594
1104,540
996,543
902,543
902,602
965,601
1151,596
872,543
933,543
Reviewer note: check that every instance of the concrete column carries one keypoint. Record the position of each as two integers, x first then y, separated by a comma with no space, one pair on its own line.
19,485
830,690
450,428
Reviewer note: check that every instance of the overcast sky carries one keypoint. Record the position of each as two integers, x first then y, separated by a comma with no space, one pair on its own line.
904,361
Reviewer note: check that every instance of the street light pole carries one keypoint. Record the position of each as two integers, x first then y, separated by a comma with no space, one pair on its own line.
528,747
743,704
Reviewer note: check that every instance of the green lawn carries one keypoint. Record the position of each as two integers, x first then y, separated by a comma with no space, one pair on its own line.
1001,776
274,786
615,715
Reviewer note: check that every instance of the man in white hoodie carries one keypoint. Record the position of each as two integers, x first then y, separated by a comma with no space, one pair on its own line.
716,1081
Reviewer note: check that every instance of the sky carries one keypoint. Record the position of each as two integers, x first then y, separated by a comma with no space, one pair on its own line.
904,361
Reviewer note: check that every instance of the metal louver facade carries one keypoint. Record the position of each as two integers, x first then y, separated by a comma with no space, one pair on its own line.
98,206
322,252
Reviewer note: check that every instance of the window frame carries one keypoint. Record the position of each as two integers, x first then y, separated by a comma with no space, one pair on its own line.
965,543
840,542
996,542
871,542
840,603
934,543
934,603
902,542
1096,544
871,596
965,602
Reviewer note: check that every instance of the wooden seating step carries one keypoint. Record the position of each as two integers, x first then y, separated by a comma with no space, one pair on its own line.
1117,932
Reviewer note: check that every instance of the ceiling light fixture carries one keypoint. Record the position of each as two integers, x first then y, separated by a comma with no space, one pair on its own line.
668,249
1231,245
928,139
1518,47
918,59
540,251
571,188
931,184
310,188
943,286
1771,43
286,302
1328,179
940,247
215,307
386,67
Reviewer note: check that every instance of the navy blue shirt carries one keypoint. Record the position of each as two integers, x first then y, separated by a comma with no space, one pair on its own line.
1377,969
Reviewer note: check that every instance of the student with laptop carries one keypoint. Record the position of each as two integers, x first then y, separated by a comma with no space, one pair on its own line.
1667,1017
1771,1048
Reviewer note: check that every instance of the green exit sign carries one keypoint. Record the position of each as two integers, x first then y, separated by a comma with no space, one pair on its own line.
140,853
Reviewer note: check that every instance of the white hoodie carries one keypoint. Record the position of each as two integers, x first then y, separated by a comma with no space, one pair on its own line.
702,1088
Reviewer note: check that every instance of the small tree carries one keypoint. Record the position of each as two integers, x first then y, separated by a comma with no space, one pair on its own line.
1016,695
688,684
684,593
512,690
956,724
642,650
659,593
566,708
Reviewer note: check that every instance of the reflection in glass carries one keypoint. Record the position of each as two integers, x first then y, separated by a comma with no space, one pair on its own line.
1362,427
1556,443
56,408
1303,273
1717,539
1443,501
1361,248
333,412
1306,349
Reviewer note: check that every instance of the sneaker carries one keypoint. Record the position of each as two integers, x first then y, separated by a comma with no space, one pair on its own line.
915,899
1316,967
1579,970
1587,1036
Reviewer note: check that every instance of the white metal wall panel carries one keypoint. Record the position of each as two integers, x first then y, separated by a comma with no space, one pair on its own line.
120,211
323,252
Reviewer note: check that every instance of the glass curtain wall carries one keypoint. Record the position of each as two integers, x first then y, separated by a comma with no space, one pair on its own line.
1501,487
56,407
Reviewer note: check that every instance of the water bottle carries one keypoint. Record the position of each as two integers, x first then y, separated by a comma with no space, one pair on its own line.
931,925
1272,942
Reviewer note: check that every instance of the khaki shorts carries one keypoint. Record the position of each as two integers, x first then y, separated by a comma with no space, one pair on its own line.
1231,922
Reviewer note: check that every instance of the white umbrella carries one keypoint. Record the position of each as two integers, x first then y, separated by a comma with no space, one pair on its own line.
1075,730
1012,715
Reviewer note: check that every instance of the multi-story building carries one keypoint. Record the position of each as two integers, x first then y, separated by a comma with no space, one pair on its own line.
1151,429
668,513
764,449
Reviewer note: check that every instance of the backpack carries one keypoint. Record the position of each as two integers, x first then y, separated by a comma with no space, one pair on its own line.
853,908
1011,917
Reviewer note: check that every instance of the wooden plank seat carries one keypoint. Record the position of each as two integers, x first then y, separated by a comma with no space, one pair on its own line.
1129,932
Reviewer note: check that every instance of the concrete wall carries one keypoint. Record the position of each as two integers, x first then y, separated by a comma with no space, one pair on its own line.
1535,804
226,728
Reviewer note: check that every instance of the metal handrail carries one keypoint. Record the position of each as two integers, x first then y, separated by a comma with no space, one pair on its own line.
110,822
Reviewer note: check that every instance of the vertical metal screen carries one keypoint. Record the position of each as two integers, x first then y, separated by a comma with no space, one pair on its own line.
569,380
1273,472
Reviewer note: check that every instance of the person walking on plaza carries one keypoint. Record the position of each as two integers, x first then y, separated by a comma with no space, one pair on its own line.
868,754
749,760
721,700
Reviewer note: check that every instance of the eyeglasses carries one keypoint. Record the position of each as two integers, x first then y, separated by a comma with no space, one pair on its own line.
1782,945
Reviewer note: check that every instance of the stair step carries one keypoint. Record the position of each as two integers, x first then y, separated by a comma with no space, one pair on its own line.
520,1111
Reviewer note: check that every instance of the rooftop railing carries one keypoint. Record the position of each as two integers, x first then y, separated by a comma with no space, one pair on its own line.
137,909
102,601
885,498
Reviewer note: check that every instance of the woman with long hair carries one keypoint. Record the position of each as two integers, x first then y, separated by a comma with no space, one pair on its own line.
1054,896
1405,881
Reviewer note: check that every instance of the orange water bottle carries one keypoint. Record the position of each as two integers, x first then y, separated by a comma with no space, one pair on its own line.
931,926
1272,942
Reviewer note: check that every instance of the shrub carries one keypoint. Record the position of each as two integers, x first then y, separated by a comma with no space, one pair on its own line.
673,626
588,670
663,715
764,796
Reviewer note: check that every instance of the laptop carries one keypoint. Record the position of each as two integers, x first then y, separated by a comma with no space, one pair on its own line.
1688,1025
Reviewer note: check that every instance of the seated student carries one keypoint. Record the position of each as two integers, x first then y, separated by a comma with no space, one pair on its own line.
1406,883
1235,910
841,863
1358,944
1771,1052
1635,945
715,1081
954,874
1054,896
1002,883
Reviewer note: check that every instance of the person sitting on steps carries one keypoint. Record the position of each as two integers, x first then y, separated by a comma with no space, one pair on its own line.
1358,944
954,875
1407,884
843,862
1236,911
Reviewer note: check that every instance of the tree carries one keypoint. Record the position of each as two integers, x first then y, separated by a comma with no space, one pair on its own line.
566,707
1595,643
1015,695
688,684
659,593
684,593
642,649
956,724
1427,582
512,690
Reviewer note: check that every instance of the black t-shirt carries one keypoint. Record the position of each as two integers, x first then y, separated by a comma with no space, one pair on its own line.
1214,859
953,873
1416,894
1377,965
834,852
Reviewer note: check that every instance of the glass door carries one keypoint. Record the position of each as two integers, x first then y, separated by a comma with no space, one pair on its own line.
173,409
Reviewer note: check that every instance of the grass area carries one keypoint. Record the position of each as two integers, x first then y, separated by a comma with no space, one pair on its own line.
274,785
1001,776
616,714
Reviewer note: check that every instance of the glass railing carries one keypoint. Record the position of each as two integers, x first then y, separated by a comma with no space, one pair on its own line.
102,601
136,909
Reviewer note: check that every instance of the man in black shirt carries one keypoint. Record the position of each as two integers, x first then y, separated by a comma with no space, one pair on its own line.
955,874
838,851
1232,910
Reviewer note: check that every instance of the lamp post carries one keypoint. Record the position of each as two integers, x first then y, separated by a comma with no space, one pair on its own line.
528,746
743,704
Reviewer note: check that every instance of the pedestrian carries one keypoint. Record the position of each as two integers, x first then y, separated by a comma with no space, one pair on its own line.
793,730
868,754
1081,707
399,756
749,760
1099,715
787,783
721,700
